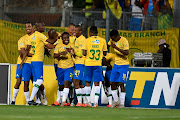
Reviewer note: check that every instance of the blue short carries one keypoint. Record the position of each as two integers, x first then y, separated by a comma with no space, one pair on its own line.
64,74
108,74
93,73
119,73
26,72
37,70
79,72
18,71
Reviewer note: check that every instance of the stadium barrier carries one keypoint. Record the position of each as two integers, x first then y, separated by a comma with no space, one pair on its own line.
153,88
5,83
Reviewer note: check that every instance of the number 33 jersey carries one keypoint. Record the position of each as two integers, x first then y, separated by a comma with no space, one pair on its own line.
95,46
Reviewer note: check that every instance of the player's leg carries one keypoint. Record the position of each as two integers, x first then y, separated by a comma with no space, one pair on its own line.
26,76
114,83
68,74
18,82
108,87
78,76
123,77
60,79
97,77
37,68
88,77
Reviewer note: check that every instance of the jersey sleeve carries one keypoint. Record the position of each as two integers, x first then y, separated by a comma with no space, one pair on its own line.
104,46
43,38
109,43
108,57
21,44
85,45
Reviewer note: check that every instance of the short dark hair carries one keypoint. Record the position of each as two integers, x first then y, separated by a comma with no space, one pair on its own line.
64,33
114,33
28,22
93,29
79,27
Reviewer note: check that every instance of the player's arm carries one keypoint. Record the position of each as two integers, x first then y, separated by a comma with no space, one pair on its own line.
24,55
124,52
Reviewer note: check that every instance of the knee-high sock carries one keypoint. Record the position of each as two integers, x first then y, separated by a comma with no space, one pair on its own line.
84,95
58,96
97,93
26,94
65,94
88,92
115,96
79,95
109,95
15,92
35,88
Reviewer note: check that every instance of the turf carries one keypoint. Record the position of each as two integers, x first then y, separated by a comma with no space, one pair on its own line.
71,113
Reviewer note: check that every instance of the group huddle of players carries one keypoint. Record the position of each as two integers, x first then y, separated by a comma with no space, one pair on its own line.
77,60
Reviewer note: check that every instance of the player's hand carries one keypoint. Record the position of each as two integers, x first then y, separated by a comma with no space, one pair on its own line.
113,45
63,53
20,65
68,49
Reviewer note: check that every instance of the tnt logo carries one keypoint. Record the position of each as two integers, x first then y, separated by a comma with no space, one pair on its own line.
161,86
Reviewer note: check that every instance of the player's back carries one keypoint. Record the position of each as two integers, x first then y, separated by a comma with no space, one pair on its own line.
95,46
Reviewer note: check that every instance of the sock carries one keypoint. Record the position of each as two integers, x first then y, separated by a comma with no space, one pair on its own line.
38,100
35,88
15,92
88,92
122,98
97,93
65,94
109,95
61,96
79,95
26,94
84,95
115,96
58,96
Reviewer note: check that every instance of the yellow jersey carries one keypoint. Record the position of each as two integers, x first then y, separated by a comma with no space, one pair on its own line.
79,46
95,46
110,57
124,45
37,41
22,43
56,43
68,61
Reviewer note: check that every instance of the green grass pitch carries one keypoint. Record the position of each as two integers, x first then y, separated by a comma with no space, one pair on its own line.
8,112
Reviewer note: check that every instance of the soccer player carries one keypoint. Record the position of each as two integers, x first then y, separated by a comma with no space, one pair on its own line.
108,61
78,76
64,52
37,41
120,68
25,73
40,27
95,48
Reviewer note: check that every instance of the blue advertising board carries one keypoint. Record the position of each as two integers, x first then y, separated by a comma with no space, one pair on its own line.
153,88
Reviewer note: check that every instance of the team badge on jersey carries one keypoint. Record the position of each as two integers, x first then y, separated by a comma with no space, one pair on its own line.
97,41
33,37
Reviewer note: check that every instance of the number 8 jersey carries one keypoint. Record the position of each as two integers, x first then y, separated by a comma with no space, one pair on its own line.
95,46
